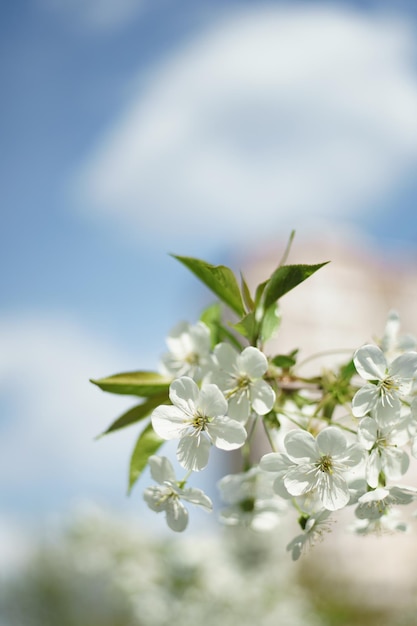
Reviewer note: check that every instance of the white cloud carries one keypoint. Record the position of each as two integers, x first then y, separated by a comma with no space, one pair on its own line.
272,113
51,414
98,15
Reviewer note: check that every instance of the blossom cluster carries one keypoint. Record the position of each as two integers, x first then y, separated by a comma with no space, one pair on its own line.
342,438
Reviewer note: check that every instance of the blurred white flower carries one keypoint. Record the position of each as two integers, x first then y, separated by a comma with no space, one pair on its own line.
189,351
240,377
167,495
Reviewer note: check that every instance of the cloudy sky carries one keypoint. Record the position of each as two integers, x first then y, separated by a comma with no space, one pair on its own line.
135,128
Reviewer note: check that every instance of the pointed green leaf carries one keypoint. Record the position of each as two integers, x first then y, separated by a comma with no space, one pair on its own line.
137,413
147,444
247,298
142,384
284,360
270,323
219,278
247,327
286,278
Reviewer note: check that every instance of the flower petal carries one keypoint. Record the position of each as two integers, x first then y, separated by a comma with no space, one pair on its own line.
239,407
262,397
161,469
193,452
169,422
373,468
404,366
394,462
226,434
370,362
333,491
275,462
252,362
301,479
183,393
197,496
367,432
211,401
176,515
156,497
301,446
331,441
365,400
226,357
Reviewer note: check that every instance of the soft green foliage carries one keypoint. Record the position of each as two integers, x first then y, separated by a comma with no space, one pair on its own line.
143,384
137,413
285,278
147,444
219,278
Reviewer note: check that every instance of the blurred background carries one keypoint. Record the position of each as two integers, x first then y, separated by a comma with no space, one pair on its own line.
210,128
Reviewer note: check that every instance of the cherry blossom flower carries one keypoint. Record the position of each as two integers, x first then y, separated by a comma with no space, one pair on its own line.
385,454
314,527
167,495
251,499
198,418
392,343
240,377
189,351
388,383
319,465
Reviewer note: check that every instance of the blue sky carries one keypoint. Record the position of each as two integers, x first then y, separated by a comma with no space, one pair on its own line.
134,128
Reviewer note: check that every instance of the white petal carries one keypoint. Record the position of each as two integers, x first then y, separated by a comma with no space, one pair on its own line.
404,366
394,462
333,491
365,400
331,441
301,446
373,468
226,357
156,497
353,456
275,462
197,496
370,362
211,401
183,393
262,397
367,432
387,414
201,338
161,469
239,407
176,515
193,452
301,479
226,434
252,362
169,422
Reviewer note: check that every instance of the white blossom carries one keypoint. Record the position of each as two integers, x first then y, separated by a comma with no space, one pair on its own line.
167,495
377,504
189,351
251,499
319,465
198,418
385,455
388,383
240,377
392,343
314,528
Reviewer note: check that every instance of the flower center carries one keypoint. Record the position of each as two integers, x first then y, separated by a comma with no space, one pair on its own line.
199,421
325,464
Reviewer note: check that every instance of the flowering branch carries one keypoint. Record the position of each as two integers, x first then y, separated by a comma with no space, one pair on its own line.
216,382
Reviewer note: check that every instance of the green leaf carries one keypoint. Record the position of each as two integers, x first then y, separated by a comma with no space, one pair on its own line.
285,361
270,323
144,384
147,444
137,413
284,279
247,298
219,278
247,327
211,316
